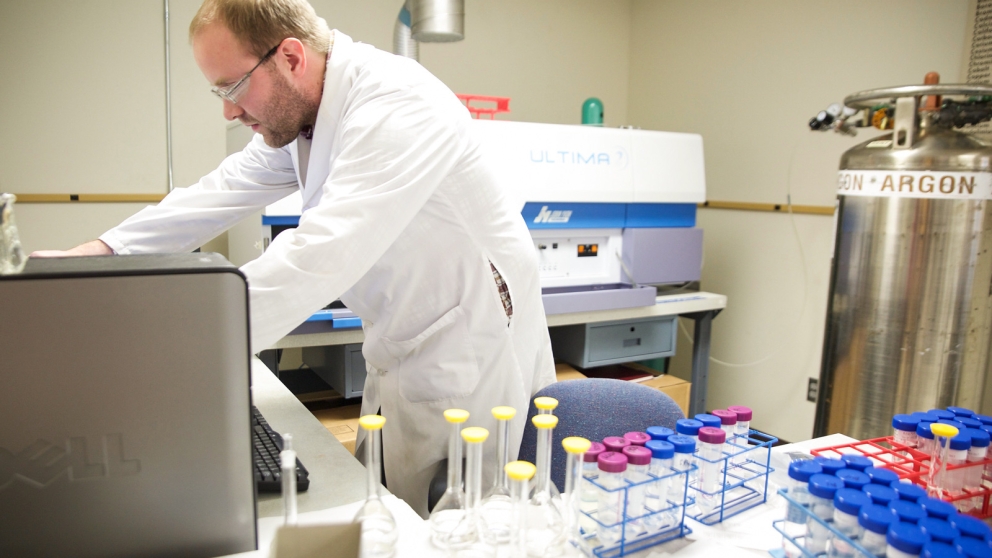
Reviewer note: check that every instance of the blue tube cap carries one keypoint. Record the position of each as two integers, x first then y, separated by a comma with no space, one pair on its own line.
907,537
688,427
923,430
906,423
850,501
939,530
853,479
659,432
708,420
881,495
876,518
984,419
830,466
856,462
961,442
682,444
961,411
979,437
881,476
804,469
969,422
937,508
825,486
908,512
969,526
909,492
660,449
939,550
973,548
941,414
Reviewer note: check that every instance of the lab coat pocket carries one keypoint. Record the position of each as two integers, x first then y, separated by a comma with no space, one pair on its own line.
437,364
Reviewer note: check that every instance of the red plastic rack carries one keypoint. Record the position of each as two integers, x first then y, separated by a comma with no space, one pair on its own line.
913,465
489,107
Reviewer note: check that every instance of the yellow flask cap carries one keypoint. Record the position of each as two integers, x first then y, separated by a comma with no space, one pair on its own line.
372,422
945,430
504,413
456,416
520,470
574,444
474,434
545,421
546,403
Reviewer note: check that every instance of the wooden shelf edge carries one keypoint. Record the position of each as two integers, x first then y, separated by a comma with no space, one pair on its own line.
771,207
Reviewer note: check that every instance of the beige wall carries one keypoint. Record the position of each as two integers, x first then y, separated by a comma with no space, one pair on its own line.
83,105
748,76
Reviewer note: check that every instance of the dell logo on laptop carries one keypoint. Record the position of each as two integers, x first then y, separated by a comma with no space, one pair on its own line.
42,463
557,216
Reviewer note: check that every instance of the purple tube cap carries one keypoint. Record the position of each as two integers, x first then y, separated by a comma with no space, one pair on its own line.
615,443
637,455
727,418
612,462
637,438
710,435
743,413
591,454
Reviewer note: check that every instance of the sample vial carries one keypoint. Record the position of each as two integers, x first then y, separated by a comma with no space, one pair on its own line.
909,492
847,504
904,430
961,411
822,489
688,427
638,463
682,461
728,422
615,443
798,490
857,462
590,492
637,438
941,414
743,419
711,465
662,453
575,449
905,540
610,514
974,474
971,548
984,419
935,549
659,432
969,422
957,455
970,526
939,530
884,477
712,421
937,509
880,495
907,512
875,520
853,479
924,438
830,465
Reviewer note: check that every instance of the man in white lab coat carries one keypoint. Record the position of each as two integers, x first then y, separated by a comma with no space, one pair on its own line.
403,219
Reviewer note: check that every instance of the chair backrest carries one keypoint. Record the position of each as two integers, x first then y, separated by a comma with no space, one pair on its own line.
595,409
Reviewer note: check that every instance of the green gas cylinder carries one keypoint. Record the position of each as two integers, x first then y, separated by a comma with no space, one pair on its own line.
592,112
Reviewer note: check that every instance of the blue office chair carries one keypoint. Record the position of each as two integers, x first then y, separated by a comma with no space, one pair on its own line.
596,408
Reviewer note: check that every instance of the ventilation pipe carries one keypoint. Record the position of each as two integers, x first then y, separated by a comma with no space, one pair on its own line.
403,43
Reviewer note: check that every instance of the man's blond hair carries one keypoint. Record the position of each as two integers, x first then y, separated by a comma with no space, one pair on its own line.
260,25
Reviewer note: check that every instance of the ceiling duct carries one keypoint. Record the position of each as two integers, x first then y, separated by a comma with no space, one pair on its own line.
437,21
403,43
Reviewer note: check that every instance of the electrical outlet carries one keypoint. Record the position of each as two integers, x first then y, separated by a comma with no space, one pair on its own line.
812,390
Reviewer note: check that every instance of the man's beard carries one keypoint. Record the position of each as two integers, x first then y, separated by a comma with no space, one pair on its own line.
287,112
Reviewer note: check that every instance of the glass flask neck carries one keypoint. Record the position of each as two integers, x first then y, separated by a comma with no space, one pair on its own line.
501,482
473,475
455,458
543,459
373,457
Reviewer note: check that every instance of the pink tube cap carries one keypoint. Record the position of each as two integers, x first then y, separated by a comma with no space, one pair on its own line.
710,435
612,462
743,413
593,452
727,418
637,438
615,443
637,455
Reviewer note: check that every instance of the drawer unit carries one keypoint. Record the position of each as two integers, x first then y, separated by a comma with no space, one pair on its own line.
603,343
341,366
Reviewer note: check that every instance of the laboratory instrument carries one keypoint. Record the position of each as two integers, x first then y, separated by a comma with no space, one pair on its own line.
379,532
847,505
612,497
590,493
905,540
638,464
682,461
712,466
657,492
875,520
798,490
853,479
447,514
907,512
913,218
822,489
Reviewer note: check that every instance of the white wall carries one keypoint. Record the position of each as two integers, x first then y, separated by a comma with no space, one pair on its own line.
748,76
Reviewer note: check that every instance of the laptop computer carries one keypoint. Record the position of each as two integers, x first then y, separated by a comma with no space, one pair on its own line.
125,408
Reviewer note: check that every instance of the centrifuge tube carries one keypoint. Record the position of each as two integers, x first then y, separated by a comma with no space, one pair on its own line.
379,531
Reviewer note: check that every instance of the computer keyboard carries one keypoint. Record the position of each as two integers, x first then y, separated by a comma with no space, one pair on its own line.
266,445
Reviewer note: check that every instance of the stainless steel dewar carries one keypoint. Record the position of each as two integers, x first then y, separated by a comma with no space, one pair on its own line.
909,321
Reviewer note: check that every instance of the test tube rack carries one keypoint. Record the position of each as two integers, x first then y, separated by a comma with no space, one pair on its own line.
743,484
913,465
633,539
800,541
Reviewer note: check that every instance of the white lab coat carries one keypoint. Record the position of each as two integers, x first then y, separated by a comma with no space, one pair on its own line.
402,215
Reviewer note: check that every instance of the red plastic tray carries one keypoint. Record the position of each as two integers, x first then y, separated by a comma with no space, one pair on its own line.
485,106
